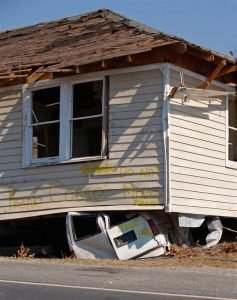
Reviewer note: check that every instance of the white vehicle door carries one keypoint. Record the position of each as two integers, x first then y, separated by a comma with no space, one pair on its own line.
95,244
132,238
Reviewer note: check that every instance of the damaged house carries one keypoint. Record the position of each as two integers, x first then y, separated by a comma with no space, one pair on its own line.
100,113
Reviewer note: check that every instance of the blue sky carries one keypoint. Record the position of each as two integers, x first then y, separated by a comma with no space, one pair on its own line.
209,23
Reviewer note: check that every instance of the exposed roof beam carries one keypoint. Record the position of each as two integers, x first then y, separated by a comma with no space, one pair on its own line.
36,75
103,64
213,75
16,72
228,70
63,70
177,47
11,76
201,54
129,58
77,70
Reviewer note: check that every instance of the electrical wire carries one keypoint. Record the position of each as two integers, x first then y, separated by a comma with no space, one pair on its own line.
229,229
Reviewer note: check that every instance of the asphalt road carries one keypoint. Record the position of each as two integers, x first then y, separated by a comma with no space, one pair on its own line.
50,281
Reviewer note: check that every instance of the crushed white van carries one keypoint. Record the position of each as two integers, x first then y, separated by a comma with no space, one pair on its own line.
123,237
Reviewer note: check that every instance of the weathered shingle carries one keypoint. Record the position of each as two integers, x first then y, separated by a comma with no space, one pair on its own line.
81,40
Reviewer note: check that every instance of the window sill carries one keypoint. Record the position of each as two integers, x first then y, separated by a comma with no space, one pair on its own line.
64,162
83,159
231,164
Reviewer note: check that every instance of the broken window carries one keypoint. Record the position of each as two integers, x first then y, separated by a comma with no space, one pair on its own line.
87,120
232,143
45,122
64,123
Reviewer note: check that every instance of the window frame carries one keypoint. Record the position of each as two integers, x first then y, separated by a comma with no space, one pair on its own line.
80,118
65,119
229,163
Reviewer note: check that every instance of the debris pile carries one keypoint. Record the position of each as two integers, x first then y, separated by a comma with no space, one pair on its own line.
220,250
122,236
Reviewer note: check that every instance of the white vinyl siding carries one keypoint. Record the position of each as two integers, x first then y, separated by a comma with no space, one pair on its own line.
200,182
131,177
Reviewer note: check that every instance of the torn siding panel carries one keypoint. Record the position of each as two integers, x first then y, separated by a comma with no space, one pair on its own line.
199,179
131,177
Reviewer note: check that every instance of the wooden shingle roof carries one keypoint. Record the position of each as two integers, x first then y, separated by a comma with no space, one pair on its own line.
102,39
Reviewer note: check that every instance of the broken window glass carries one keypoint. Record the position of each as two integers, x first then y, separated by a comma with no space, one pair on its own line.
86,124
232,129
45,122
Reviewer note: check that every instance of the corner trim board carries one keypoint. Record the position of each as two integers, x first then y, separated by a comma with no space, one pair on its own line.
166,133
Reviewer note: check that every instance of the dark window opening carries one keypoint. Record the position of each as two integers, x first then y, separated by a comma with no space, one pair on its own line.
45,122
85,226
87,121
45,140
87,137
232,143
45,105
87,99
125,239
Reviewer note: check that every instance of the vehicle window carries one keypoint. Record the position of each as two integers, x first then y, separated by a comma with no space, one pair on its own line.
125,239
85,226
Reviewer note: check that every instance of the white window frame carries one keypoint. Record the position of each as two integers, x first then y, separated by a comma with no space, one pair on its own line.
65,133
229,163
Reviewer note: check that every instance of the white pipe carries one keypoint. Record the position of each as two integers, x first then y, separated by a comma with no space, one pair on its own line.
165,127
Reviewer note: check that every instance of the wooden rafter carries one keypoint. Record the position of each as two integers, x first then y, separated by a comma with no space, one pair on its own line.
213,75
180,48
103,64
177,47
77,69
130,58
11,76
199,53
16,72
36,75
228,70
63,70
